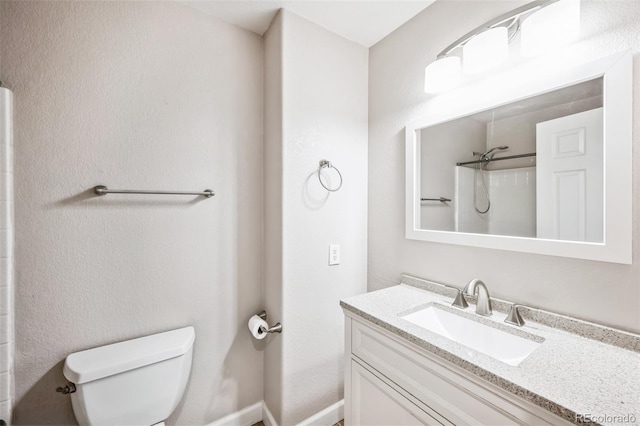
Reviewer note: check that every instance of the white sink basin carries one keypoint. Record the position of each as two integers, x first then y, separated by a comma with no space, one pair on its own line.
498,344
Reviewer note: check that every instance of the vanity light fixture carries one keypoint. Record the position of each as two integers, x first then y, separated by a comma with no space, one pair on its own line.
443,74
543,24
486,50
554,25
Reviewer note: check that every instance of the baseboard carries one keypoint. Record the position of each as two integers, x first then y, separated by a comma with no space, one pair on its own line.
260,412
327,417
246,417
267,417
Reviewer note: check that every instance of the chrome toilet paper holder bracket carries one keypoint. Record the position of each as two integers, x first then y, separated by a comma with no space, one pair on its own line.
277,328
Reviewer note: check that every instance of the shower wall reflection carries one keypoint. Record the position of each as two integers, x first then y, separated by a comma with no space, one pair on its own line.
513,202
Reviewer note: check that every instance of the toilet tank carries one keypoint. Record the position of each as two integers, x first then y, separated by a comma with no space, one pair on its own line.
135,382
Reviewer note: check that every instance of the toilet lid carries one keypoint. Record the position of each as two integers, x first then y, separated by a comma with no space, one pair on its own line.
105,361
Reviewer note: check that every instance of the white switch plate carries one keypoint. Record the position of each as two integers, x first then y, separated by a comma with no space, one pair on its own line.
334,254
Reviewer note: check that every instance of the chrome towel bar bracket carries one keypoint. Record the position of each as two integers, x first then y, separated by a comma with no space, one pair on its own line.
103,190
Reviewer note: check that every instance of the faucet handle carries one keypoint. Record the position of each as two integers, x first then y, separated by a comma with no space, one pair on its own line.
513,317
460,301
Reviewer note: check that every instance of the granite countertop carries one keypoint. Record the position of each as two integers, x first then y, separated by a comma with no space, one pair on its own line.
570,374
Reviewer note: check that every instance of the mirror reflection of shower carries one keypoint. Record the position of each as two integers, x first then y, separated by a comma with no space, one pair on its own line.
515,189
481,166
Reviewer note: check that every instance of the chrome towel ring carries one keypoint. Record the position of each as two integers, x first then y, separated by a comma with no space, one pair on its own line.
327,164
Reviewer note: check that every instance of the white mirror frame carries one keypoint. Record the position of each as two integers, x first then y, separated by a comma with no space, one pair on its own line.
513,85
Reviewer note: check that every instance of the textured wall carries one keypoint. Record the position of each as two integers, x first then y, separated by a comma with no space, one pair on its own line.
604,292
323,115
135,95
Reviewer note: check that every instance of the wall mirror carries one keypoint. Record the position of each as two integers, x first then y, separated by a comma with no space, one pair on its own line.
543,166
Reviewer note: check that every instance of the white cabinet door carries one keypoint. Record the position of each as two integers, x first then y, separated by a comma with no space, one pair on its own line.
570,177
374,403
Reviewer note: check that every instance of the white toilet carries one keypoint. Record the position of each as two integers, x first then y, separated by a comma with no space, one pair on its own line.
137,382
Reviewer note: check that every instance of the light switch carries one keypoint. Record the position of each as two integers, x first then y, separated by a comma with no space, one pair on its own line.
334,254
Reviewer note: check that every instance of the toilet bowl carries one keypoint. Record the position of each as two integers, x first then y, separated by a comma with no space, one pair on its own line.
136,382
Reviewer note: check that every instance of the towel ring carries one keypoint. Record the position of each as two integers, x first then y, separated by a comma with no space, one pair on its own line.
327,164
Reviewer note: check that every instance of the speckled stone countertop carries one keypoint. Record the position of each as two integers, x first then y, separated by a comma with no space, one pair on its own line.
570,374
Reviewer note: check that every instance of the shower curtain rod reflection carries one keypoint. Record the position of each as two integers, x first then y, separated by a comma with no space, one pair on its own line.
510,157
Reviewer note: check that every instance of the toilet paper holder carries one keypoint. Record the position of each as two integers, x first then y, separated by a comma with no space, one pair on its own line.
277,328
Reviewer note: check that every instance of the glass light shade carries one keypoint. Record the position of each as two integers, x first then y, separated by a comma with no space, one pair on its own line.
550,27
442,75
486,50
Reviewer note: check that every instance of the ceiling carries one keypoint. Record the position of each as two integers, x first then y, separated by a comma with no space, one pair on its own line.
364,21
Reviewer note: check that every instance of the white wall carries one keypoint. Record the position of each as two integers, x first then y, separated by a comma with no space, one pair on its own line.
273,207
603,292
7,311
323,115
135,95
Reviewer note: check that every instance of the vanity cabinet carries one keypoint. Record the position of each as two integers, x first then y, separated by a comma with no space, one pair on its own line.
376,402
389,381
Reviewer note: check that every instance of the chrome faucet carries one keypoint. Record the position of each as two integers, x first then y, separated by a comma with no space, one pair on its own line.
483,304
